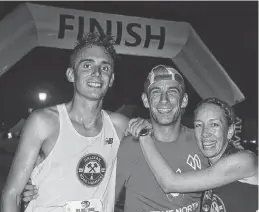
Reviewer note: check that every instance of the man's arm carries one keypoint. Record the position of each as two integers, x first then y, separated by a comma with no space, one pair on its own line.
120,123
125,126
23,163
229,169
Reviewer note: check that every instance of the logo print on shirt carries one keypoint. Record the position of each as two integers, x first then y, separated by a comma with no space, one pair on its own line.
91,170
85,204
206,201
109,140
194,162
217,204
171,196
212,203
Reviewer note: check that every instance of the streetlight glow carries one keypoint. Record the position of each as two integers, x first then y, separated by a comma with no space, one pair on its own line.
42,97
9,135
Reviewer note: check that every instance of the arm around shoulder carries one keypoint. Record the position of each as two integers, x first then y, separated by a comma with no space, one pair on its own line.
26,154
243,164
120,123
227,170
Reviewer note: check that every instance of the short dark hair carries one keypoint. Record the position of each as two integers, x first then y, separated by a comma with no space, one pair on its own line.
94,38
229,112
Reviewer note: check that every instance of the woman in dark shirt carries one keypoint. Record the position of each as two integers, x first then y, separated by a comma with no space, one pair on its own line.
232,173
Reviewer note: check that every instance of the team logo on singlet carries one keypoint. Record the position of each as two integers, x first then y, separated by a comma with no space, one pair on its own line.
91,169
85,204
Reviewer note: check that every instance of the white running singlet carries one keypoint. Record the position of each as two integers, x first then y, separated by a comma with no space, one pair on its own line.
79,173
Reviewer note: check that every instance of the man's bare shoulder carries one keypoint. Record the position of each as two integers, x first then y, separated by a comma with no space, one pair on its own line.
118,117
46,114
45,119
120,123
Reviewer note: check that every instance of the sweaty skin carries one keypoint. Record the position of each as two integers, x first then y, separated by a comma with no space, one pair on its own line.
234,167
91,79
212,134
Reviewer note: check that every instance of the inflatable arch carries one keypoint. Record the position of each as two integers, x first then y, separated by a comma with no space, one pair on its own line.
31,25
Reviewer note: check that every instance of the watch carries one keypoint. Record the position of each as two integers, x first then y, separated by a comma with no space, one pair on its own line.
144,132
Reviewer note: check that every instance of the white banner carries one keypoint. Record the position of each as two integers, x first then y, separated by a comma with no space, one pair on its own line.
32,25
58,27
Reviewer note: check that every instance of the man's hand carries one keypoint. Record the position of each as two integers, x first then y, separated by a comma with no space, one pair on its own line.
136,125
29,193
238,145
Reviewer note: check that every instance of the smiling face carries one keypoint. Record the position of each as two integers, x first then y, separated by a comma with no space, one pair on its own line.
211,130
92,74
165,101
164,95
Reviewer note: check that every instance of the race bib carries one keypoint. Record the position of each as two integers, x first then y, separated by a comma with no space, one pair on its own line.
92,205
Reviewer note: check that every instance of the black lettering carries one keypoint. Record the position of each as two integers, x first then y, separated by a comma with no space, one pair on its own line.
119,32
81,27
109,27
160,37
94,24
63,26
133,34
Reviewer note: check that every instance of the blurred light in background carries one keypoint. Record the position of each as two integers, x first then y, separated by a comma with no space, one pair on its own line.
42,96
9,135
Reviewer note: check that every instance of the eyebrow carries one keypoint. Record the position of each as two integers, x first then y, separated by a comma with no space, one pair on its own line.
209,120
91,60
154,88
215,120
175,88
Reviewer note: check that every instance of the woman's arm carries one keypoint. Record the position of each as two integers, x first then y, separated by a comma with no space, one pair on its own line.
229,169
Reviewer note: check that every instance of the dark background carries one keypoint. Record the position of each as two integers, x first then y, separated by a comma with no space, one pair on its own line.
229,29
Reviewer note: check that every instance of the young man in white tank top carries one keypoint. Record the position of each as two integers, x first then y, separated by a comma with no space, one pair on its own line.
78,141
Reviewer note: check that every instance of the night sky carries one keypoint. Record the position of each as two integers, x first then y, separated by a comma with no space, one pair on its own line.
229,29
